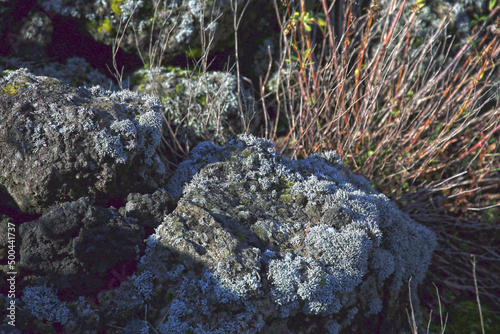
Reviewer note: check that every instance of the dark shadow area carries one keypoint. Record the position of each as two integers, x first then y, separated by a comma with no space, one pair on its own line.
9,208
70,39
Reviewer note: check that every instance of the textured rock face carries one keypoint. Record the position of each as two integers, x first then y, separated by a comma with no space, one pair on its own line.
60,143
232,244
225,260
148,209
76,244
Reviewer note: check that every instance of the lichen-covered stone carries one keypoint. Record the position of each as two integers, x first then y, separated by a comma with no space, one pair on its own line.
40,307
60,143
226,260
32,36
246,269
431,13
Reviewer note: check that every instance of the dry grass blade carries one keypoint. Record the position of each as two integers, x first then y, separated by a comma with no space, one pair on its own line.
477,292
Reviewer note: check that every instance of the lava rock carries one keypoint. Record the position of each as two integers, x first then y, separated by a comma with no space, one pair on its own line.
76,244
59,143
232,243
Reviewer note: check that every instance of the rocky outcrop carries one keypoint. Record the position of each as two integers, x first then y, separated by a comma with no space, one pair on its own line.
60,143
227,255
239,240
175,26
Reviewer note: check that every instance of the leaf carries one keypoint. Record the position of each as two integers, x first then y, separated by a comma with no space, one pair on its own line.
292,59
492,4
321,22
307,53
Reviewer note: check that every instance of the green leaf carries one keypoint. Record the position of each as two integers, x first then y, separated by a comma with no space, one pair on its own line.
420,4
306,53
292,59
492,4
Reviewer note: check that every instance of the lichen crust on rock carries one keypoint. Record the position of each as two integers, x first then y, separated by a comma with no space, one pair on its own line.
60,143
242,212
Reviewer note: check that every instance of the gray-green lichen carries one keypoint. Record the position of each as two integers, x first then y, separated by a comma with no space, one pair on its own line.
355,259
88,138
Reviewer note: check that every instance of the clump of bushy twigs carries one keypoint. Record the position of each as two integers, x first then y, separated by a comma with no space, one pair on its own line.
418,116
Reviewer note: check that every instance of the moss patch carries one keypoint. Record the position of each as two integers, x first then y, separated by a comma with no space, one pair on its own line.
179,89
105,26
115,7
286,198
10,90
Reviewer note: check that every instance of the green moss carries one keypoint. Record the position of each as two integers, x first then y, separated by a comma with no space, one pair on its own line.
240,236
282,185
49,82
105,26
259,232
178,223
202,100
245,201
10,90
5,73
115,7
193,53
164,98
283,212
243,214
286,198
246,153
179,89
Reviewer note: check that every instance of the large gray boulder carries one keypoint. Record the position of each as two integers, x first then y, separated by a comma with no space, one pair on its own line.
227,255
59,143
